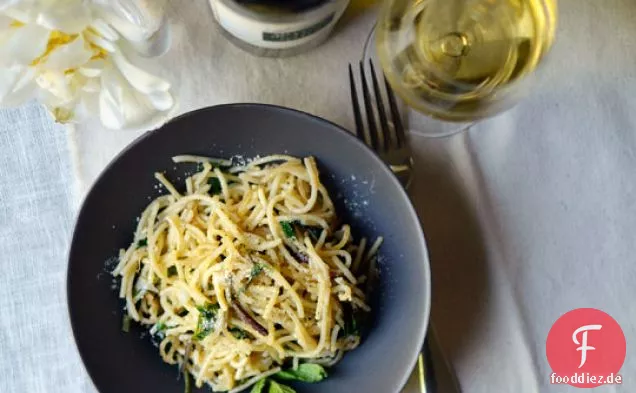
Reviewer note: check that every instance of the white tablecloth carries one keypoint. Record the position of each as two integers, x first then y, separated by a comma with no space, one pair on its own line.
527,216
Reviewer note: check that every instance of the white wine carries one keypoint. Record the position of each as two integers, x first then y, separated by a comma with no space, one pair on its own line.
460,60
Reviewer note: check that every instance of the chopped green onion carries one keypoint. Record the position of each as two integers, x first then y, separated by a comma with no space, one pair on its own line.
288,230
238,333
351,326
186,378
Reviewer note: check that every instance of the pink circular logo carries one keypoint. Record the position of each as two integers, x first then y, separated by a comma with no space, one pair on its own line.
586,348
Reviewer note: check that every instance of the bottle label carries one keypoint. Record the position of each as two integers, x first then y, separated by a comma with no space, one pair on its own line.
298,34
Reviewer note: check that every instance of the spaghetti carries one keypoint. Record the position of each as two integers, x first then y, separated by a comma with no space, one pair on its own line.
245,272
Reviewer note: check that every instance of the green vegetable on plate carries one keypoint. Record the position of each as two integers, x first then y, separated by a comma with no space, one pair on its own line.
288,229
205,323
172,271
275,387
306,372
215,186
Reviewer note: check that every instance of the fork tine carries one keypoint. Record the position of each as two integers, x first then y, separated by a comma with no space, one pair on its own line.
354,102
395,114
384,124
372,139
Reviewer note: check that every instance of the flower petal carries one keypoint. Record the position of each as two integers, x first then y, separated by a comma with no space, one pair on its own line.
26,44
93,68
24,15
105,30
161,100
138,78
6,29
100,41
91,85
70,17
122,107
111,100
127,29
58,84
4,4
87,106
69,56
5,22
16,85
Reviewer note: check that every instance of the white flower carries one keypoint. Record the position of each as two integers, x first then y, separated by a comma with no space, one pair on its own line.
74,56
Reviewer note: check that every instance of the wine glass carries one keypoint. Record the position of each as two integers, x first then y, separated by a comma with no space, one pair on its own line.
455,62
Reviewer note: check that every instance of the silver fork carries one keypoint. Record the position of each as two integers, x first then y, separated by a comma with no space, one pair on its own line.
389,140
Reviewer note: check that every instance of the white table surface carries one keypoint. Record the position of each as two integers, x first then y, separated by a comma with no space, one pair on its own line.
527,216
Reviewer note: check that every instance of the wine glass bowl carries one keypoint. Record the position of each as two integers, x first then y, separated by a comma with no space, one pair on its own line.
460,61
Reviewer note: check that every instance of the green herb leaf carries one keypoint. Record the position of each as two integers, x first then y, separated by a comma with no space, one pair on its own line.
205,323
125,323
351,326
142,243
239,333
288,230
306,372
259,387
276,387
215,186
172,271
256,270
160,327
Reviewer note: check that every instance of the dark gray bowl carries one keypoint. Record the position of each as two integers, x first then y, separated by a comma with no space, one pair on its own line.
366,193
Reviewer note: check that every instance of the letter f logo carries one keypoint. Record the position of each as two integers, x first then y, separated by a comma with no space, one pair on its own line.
584,347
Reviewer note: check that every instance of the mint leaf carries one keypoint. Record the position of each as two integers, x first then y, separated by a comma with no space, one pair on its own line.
276,387
306,372
259,387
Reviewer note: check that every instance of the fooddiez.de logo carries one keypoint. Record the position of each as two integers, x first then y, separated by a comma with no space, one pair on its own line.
586,348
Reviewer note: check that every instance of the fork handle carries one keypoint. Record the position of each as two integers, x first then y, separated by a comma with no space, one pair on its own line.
436,374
